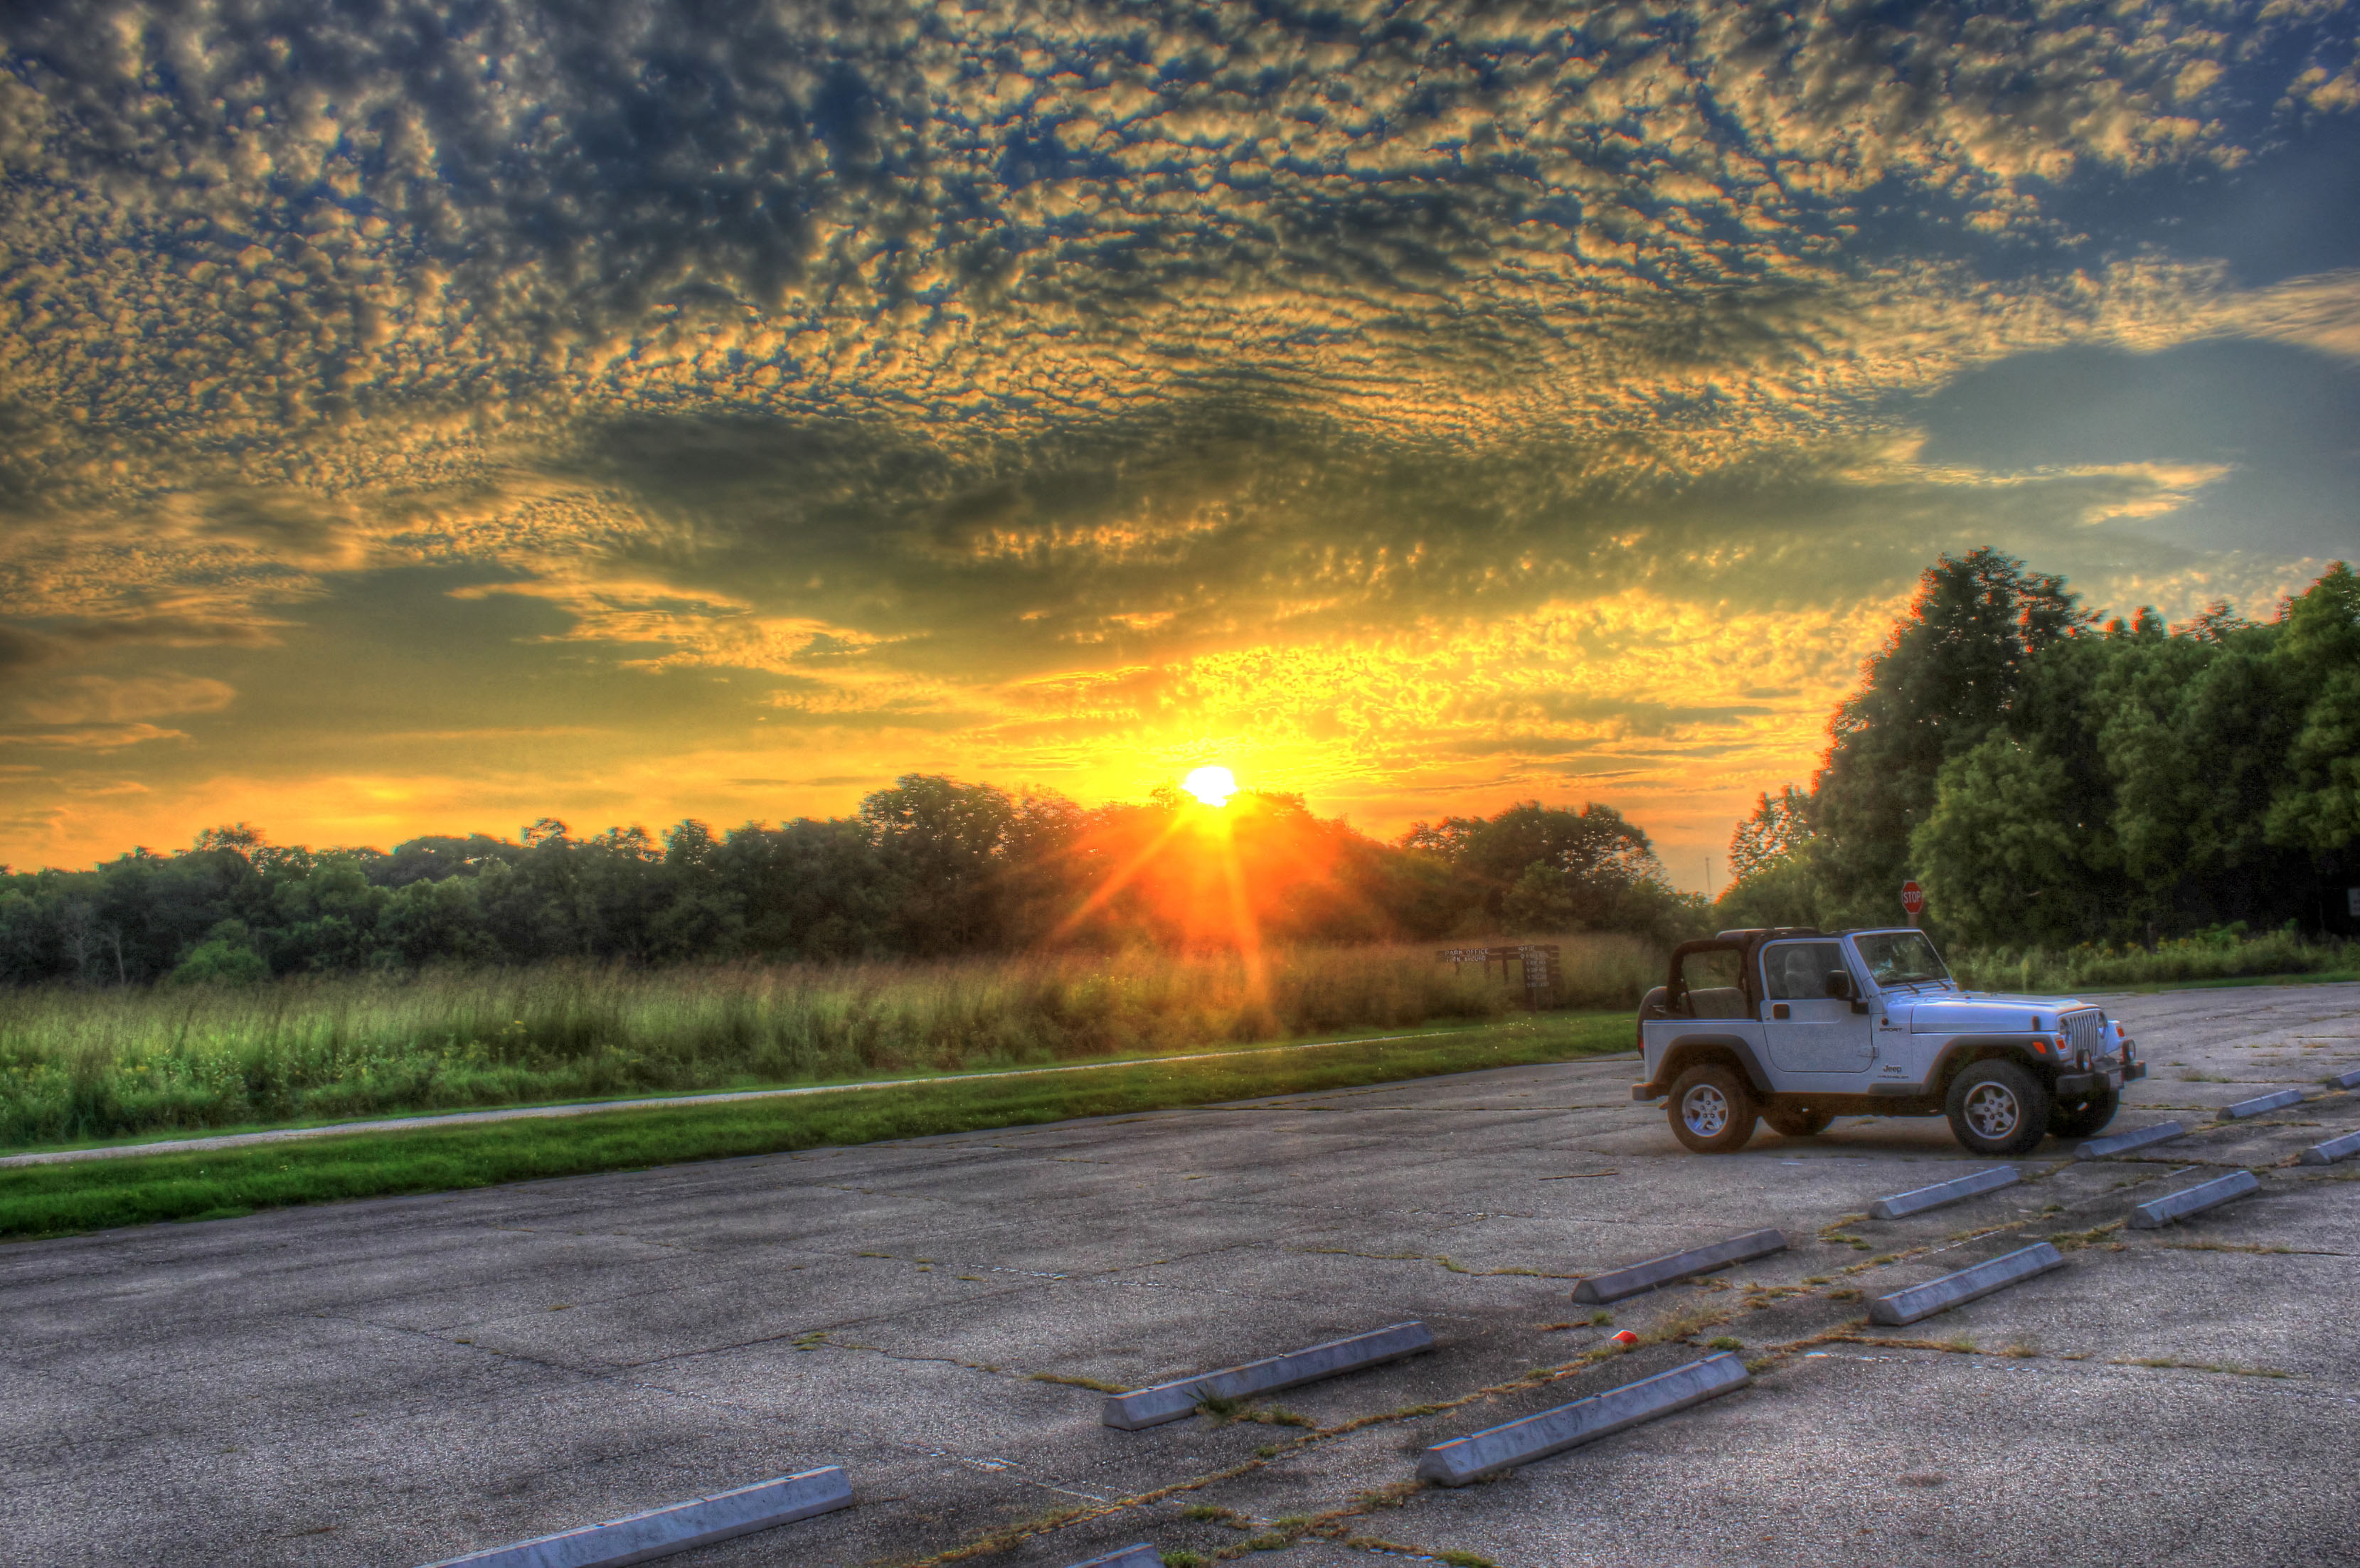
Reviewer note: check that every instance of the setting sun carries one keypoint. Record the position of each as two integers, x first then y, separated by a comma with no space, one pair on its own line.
1213,786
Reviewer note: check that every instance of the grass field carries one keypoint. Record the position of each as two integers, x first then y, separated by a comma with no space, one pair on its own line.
79,1065
57,1200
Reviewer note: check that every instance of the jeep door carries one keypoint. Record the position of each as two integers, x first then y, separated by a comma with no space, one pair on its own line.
1806,1030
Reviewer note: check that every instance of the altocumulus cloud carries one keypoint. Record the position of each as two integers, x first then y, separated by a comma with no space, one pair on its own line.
1417,401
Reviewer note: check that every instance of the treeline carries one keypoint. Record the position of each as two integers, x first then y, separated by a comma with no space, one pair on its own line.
2052,782
930,867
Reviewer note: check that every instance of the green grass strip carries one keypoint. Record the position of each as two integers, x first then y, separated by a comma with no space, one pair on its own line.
64,1200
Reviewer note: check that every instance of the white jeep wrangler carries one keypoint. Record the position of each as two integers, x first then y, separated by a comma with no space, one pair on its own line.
1799,1027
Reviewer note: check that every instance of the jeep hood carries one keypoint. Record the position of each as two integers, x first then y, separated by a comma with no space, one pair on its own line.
1955,1012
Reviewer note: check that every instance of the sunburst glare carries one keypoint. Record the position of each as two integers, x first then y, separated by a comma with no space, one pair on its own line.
1211,786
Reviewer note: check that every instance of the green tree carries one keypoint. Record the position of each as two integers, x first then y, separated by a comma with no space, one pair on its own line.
2318,807
2001,862
945,844
1773,881
1952,671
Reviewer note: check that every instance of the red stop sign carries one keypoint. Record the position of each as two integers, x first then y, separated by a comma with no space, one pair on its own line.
1913,896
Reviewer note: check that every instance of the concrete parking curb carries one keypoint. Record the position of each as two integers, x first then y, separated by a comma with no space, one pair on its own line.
2347,1080
1494,1449
1137,1555
1170,1401
1629,1280
2260,1104
2333,1149
1918,1200
1967,1285
2123,1142
2193,1199
660,1532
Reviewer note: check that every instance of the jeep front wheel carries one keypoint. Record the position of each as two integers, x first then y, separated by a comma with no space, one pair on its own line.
1999,1108
1713,1109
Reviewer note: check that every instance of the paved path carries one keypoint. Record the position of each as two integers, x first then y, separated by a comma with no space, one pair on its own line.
662,1102
398,1381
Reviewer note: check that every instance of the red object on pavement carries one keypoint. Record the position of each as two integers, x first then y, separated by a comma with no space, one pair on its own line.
1624,1336
1913,896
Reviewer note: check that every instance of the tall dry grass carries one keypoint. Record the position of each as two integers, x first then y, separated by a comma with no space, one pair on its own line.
97,1064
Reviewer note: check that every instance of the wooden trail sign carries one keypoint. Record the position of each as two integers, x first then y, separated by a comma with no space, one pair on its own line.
1536,961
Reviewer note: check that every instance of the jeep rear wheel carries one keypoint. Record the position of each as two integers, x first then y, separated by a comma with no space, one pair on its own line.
2087,1119
1713,1109
1797,1121
1998,1107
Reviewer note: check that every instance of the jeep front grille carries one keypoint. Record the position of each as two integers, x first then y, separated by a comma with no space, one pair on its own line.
2086,1032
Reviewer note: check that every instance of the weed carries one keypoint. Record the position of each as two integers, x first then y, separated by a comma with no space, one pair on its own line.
1276,1415
1267,1450
1724,1342
1392,1495
1181,1557
1815,1280
1682,1322
1602,1320
2023,1349
1269,1540
1466,1560
2230,1367
1080,1382
2073,1241
1209,1513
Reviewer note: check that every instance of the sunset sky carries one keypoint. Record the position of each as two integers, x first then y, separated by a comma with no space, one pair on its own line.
425,419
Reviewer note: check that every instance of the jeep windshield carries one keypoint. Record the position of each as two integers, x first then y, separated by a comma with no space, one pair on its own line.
1901,958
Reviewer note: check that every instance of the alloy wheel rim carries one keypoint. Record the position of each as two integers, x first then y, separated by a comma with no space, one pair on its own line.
1992,1110
1705,1110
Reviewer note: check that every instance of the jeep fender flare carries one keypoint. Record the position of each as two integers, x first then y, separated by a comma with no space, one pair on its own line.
1961,1054
1689,1049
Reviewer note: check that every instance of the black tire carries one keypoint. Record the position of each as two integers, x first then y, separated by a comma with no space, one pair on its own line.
1797,1121
1998,1107
1713,1109
2087,1119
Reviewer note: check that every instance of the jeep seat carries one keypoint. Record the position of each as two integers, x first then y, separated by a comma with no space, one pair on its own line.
1718,1002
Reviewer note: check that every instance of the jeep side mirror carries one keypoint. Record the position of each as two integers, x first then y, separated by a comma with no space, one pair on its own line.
1839,988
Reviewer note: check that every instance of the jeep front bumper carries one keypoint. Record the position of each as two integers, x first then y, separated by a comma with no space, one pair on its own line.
2099,1081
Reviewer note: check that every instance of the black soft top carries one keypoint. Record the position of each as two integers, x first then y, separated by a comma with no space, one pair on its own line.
1742,942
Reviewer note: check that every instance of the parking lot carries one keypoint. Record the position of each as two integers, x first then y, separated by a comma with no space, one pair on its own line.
399,1381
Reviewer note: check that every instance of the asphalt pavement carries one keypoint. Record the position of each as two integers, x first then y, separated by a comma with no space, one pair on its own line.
393,1382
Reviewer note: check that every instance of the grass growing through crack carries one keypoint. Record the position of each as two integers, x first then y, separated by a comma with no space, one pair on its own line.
2230,1367
56,1200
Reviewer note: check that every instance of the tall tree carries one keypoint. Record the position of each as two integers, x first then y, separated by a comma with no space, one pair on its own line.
1953,669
